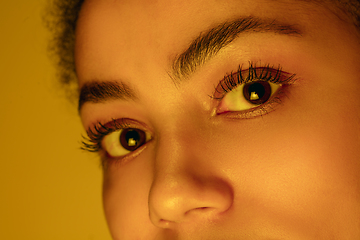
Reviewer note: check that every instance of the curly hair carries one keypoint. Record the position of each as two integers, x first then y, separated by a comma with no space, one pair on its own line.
62,18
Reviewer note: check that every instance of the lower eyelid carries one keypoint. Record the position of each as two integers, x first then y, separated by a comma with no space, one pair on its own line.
262,109
108,160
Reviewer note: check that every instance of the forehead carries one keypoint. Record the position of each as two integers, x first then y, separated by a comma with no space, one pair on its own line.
134,35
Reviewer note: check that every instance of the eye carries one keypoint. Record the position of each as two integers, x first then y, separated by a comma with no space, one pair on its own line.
247,96
124,141
257,92
252,92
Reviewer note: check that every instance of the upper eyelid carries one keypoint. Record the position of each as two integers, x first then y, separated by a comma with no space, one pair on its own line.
96,133
228,83
104,129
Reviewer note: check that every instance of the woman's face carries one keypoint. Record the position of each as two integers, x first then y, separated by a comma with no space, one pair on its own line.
241,118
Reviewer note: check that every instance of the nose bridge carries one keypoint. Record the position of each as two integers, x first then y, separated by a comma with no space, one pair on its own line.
184,186
180,147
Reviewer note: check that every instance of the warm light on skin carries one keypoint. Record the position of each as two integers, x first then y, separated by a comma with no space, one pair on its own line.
291,174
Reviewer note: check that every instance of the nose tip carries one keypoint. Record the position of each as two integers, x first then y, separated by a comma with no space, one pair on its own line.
188,201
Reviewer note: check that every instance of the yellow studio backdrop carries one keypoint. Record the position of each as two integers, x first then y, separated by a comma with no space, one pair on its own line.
49,188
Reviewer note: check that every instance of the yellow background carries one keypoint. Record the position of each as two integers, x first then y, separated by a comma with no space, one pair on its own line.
49,189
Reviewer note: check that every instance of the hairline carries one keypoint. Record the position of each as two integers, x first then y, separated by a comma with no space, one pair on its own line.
64,15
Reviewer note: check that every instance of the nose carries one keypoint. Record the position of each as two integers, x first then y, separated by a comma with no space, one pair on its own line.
185,188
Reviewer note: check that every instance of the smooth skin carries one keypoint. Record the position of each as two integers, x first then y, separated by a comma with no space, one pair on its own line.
293,173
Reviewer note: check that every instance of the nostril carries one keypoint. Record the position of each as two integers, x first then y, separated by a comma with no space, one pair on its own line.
165,223
200,212
202,208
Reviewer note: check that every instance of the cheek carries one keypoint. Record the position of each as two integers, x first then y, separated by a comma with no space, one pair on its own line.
322,176
125,199
314,159
299,165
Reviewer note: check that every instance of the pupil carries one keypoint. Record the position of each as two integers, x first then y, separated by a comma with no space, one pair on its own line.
257,92
131,139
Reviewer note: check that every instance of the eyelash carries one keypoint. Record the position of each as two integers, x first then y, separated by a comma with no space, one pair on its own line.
92,142
232,80
268,73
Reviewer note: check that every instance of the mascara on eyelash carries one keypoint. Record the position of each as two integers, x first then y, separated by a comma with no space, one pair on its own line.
92,143
268,73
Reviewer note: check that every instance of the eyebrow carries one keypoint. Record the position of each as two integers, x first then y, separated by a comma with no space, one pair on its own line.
200,51
99,92
209,43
